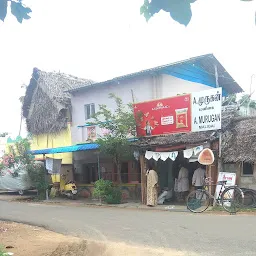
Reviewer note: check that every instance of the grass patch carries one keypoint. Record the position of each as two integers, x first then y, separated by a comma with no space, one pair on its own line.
2,251
219,208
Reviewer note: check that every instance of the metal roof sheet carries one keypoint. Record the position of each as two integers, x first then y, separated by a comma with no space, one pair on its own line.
206,62
68,149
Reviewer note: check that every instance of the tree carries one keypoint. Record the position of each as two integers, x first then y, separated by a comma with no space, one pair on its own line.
3,134
246,101
229,100
179,10
18,9
119,126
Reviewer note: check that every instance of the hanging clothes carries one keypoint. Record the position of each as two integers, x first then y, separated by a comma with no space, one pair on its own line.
152,181
183,182
198,177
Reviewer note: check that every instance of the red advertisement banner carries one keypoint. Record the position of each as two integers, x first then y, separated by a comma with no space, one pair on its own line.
163,116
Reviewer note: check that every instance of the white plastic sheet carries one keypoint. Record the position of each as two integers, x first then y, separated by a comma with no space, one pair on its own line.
15,183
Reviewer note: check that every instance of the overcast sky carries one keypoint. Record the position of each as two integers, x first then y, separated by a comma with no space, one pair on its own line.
101,39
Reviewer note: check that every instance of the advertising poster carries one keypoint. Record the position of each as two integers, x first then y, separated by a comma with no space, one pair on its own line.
164,116
229,177
206,110
91,133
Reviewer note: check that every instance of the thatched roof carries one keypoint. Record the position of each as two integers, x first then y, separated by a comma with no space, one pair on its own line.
187,138
239,141
46,103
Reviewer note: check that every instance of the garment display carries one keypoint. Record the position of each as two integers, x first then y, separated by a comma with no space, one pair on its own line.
152,181
53,165
149,154
188,153
198,149
164,156
173,155
198,177
183,182
156,156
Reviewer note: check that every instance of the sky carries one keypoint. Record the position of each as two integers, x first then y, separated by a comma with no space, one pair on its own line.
102,39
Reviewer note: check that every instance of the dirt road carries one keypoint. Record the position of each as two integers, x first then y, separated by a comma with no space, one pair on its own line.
25,240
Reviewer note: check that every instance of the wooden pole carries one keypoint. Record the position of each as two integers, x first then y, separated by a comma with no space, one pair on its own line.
46,178
143,179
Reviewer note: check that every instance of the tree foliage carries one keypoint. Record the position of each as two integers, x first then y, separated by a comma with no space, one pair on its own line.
179,10
119,126
3,134
18,9
244,101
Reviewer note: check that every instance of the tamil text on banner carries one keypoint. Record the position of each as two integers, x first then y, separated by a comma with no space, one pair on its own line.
225,176
163,116
206,110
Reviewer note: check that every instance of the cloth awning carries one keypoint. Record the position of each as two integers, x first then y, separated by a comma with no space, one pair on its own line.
68,149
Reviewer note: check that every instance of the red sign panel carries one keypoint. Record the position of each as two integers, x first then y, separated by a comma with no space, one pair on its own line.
163,116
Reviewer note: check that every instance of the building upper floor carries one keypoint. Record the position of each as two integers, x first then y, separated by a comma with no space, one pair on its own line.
187,76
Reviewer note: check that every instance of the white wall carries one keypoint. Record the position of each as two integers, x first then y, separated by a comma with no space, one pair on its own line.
172,86
144,88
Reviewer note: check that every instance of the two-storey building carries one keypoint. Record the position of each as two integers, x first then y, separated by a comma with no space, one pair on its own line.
187,76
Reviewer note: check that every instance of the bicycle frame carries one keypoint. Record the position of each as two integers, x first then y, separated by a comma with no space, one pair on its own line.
208,183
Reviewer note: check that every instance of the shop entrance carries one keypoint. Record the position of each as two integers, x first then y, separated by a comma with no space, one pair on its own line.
168,174
165,174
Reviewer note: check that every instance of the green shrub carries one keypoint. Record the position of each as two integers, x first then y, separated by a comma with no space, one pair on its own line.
2,252
102,188
36,174
105,191
115,196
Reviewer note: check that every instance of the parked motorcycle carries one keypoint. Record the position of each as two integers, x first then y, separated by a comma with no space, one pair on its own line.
69,189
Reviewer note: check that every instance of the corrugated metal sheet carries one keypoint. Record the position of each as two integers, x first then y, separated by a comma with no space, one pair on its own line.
68,149
205,63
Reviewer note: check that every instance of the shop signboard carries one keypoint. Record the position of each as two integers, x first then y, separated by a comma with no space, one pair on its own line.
206,157
199,111
225,176
206,110
164,116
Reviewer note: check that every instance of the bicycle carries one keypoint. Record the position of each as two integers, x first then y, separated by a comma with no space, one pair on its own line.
231,198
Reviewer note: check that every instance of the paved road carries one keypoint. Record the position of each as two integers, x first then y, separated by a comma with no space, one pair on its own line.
203,234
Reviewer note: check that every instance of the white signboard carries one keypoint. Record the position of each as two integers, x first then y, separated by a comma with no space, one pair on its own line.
166,120
206,110
229,177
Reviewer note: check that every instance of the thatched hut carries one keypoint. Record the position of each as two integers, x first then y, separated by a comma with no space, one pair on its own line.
239,142
47,105
239,150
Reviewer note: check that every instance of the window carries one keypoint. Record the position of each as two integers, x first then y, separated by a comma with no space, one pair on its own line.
89,110
229,167
248,169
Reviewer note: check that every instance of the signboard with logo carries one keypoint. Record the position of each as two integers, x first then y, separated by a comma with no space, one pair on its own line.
199,111
206,157
164,116
206,110
229,177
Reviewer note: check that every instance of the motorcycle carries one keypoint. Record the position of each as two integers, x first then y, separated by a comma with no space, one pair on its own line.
69,190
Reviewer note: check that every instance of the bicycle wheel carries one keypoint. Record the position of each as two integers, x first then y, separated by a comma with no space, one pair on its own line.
249,200
198,201
232,199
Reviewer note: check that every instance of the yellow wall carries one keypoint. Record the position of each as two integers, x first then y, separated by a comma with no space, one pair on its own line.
61,139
